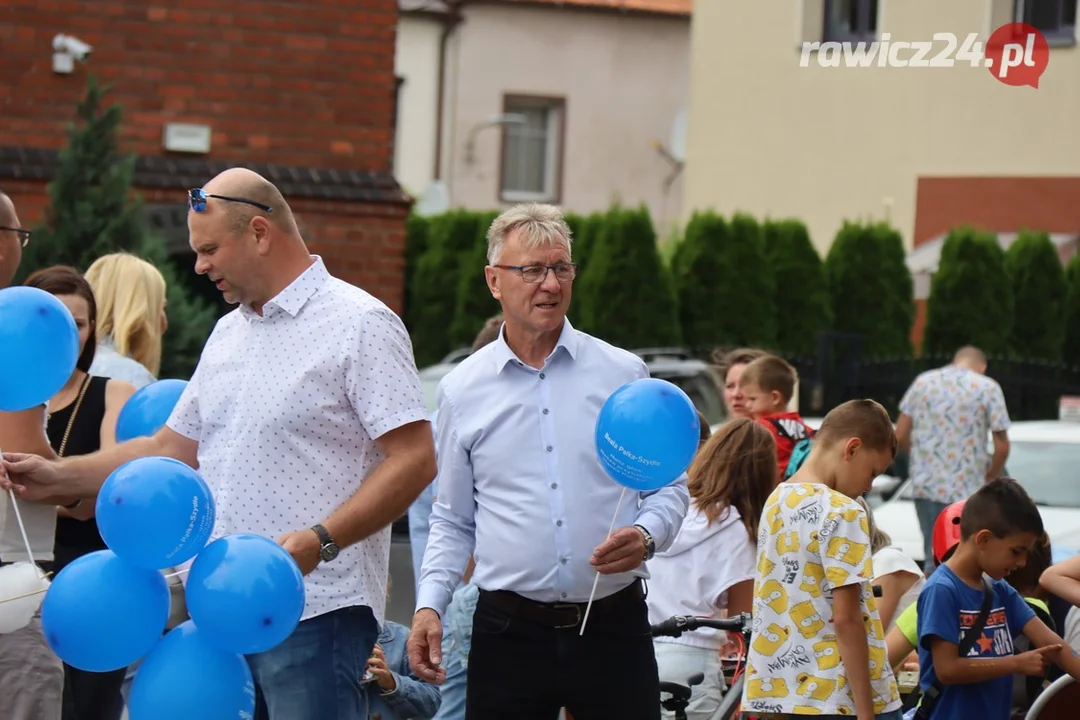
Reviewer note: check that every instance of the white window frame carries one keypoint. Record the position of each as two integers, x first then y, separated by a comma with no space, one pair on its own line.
556,119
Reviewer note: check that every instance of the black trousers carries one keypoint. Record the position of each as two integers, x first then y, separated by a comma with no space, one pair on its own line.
523,666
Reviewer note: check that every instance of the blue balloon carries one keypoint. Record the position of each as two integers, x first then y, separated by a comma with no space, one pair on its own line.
148,409
39,345
186,677
155,512
102,613
246,592
647,434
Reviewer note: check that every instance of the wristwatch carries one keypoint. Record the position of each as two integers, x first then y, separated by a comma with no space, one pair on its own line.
650,544
328,549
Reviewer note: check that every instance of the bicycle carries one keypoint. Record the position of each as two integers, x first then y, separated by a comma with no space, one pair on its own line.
679,694
730,702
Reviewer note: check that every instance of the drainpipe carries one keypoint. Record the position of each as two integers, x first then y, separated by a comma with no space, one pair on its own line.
450,21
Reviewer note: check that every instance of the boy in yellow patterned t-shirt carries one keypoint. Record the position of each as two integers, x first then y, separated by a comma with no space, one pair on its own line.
818,645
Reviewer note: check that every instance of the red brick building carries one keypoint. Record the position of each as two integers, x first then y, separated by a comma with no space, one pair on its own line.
301,91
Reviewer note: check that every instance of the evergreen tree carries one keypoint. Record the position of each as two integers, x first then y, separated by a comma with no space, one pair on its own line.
723,283
1038,286
870,288
416,240
1071,350
474,303
92,212
803,310
585,237
971,300
630,300
451,236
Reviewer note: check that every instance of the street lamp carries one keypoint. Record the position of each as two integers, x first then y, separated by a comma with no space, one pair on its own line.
503,119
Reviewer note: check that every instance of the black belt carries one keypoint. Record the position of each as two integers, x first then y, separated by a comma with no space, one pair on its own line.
559,614
45,565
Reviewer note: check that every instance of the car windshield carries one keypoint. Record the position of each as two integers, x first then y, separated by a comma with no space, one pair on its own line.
701,390
431,384
1045,469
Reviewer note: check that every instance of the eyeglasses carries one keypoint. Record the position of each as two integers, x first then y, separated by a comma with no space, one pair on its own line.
23,233
564,272
197,200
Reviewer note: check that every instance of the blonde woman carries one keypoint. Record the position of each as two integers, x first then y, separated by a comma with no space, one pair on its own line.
899,576
130,294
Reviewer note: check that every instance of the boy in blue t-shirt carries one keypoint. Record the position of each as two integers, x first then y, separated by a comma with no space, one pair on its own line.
998,528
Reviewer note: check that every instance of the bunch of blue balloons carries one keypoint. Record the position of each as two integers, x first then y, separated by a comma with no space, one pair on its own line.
647,433
108,609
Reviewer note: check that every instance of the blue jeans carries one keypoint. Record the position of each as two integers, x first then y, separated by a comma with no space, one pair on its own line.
928,511
419,528
457,637
315,674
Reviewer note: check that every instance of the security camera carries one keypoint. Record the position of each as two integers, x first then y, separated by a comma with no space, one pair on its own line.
73,46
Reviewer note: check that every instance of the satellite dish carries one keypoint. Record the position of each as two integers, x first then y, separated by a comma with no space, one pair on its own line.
434,201
677,142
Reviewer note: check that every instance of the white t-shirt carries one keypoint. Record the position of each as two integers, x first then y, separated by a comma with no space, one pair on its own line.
889,560
691,576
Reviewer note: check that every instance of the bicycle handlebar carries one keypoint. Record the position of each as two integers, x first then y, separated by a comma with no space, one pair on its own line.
677,625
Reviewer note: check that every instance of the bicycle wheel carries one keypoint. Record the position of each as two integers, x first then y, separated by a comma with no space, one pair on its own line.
1064,685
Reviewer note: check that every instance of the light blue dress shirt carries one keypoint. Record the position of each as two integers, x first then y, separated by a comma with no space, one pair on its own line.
519,479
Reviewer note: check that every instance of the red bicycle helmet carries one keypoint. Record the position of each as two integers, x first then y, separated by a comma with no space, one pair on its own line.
947,530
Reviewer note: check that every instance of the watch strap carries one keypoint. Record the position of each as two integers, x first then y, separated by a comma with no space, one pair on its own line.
650,544
324,535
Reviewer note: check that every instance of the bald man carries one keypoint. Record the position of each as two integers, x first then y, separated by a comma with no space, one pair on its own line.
306,417
31,675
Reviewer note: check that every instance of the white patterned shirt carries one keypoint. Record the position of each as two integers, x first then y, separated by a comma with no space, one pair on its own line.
953,410
286,408
812,540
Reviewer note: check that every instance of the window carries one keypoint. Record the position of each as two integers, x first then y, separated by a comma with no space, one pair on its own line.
1054,18
532,150
850,20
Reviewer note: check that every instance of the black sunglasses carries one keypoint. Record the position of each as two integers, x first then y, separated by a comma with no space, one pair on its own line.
23,233
197,198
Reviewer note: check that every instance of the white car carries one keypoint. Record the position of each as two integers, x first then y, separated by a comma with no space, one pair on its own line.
1044,457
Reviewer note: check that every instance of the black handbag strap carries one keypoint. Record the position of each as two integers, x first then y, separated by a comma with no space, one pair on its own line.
930,697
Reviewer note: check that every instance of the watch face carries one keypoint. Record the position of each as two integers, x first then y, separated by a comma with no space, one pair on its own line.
329,552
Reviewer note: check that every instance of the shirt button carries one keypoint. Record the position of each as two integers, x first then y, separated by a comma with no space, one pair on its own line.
558,523
563,561
546,411
563,596
541,376
549,448
554,485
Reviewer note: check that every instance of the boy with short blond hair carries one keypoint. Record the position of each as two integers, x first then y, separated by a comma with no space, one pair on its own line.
768,385
818,645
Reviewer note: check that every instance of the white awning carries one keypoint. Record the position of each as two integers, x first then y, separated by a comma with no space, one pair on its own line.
923,260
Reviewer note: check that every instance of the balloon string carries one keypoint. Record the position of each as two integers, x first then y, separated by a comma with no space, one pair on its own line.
178,572
596,580
22,529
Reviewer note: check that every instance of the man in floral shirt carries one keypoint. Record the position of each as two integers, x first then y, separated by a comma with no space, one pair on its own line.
945,417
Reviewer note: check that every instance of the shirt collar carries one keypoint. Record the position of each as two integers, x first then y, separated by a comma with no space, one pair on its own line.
296,294
568,341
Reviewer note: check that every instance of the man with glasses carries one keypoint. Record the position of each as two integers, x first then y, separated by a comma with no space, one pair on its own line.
306,417
519,483
31,675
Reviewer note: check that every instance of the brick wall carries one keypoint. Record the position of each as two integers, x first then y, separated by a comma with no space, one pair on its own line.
301,90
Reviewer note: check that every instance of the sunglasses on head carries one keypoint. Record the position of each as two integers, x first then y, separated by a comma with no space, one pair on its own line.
197,198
